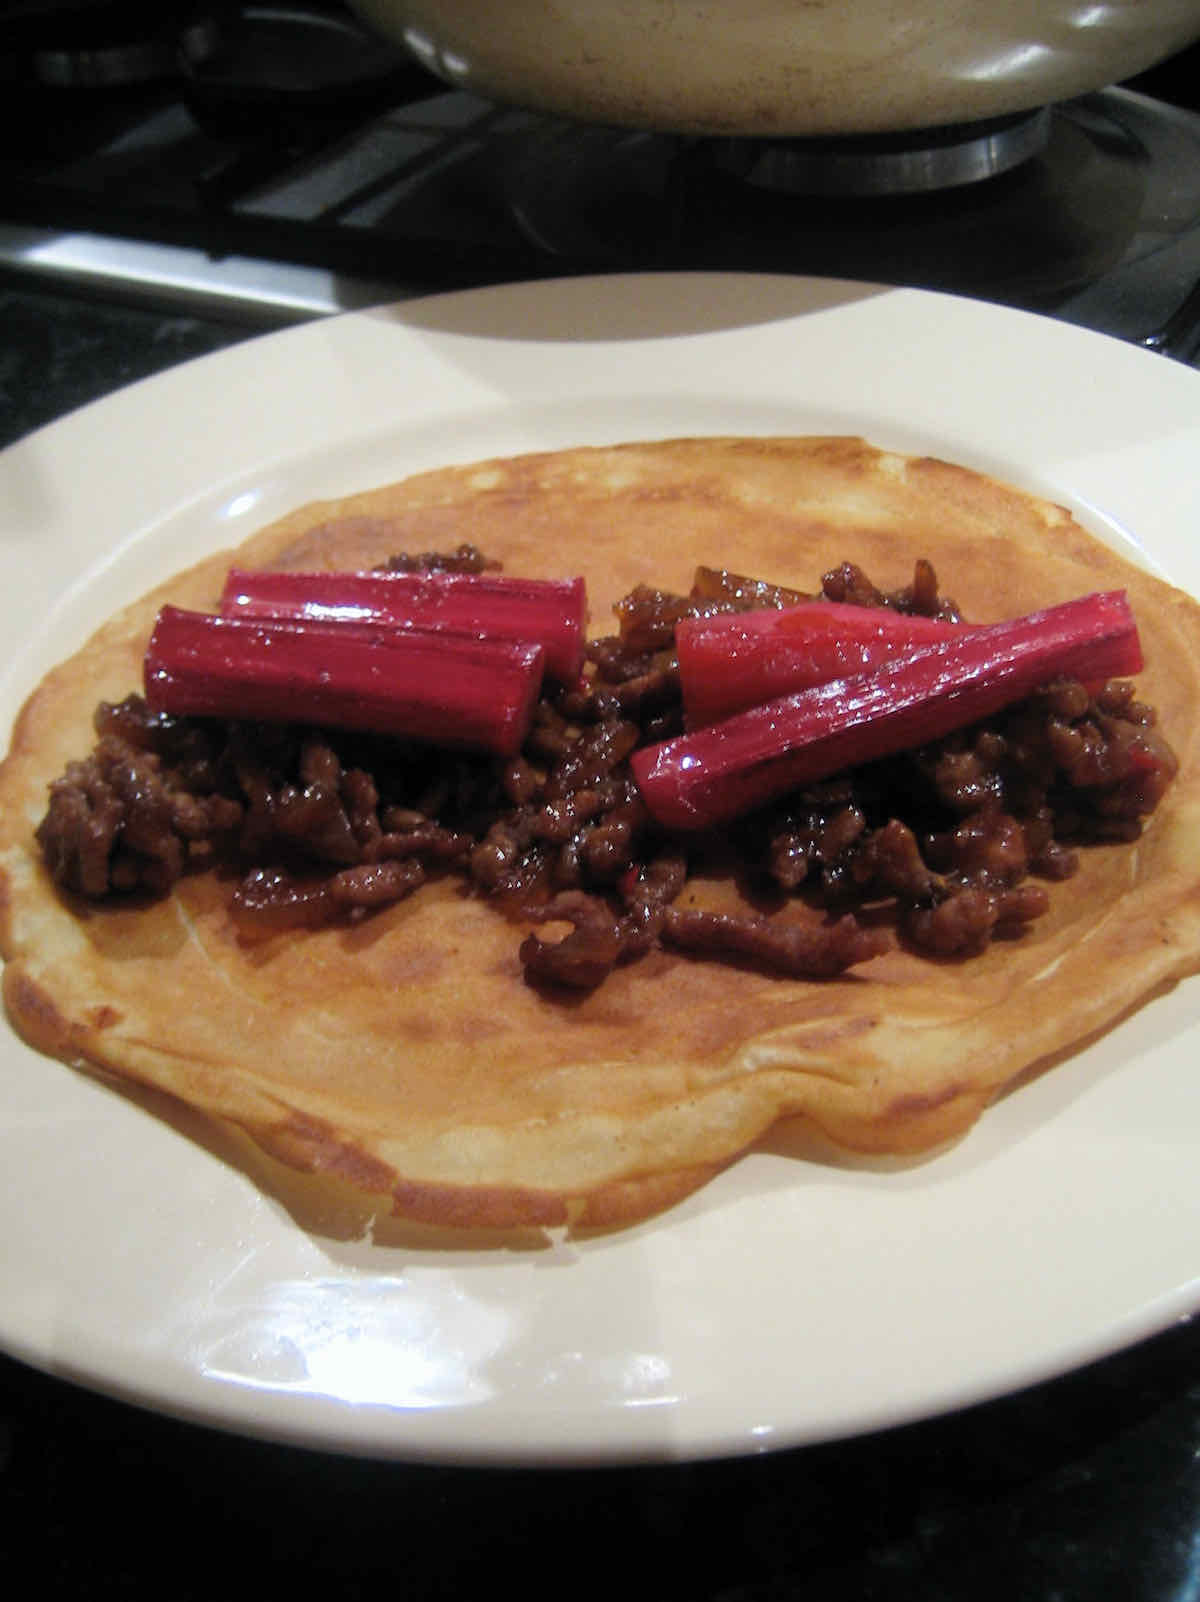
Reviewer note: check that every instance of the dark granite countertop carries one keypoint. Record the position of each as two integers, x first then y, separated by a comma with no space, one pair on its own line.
59,351
1079,1490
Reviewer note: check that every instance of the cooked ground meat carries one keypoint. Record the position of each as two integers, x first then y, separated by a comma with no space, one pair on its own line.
330,826
463,559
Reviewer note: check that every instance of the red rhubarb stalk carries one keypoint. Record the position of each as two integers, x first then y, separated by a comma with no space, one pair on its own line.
739,659
450,689
710,776
550,612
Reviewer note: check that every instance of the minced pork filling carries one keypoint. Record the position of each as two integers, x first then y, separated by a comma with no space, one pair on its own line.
943,847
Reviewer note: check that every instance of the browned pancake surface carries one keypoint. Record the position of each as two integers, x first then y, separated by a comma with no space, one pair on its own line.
408,1056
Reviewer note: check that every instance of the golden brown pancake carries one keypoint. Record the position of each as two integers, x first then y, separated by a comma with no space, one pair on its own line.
407,1055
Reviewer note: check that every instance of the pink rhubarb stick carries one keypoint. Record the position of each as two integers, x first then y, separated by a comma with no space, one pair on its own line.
712,775
448,689
549,612
738,659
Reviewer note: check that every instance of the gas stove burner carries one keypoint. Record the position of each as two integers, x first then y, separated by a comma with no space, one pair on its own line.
291,68
234,58
109,44
1104,180
918,162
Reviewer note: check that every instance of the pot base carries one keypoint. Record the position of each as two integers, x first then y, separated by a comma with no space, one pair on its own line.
779,69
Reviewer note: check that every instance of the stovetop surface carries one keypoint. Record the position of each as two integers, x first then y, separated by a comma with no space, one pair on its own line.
260,184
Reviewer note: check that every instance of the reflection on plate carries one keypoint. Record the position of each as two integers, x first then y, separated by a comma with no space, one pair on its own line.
789,1301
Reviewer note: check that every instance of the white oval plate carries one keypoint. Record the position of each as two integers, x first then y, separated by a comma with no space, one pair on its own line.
787,1302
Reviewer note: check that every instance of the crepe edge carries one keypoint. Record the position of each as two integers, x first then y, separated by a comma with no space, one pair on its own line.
311,1145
